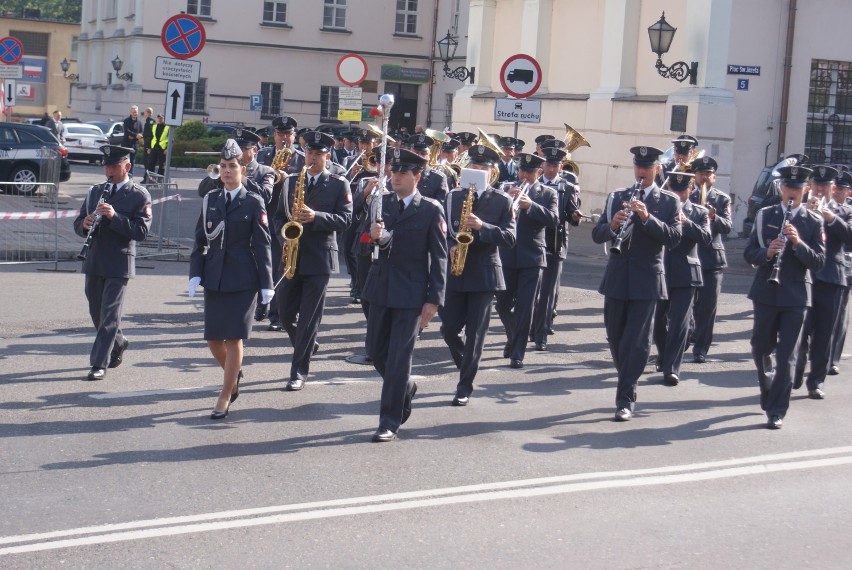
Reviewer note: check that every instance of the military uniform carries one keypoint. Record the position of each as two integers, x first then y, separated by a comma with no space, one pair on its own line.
304,294
634,280
411,271
111,259
779,309
683,278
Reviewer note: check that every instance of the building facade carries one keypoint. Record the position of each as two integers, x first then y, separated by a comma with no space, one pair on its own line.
773,79
286,52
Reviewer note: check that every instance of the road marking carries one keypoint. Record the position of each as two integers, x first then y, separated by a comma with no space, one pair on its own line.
207,522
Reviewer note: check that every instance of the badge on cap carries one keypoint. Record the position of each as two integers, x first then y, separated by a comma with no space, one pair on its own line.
396,153
643,151
528,159
481,150
238,133
107,150
822,172
794,171
317,137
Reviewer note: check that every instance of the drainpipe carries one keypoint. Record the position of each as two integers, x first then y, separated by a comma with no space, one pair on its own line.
785,88
430,92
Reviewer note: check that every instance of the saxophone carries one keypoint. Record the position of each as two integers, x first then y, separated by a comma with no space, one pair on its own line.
292,230
464,237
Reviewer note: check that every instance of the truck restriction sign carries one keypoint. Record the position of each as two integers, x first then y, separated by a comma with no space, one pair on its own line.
520,76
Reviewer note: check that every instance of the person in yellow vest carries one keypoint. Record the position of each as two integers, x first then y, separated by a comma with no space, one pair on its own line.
159,144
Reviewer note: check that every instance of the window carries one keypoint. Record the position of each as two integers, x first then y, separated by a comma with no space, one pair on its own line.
454,26
334,14
328,103
198,7
35,43
828,133
406,17
194,96
271,94
275,12
110,9
73,56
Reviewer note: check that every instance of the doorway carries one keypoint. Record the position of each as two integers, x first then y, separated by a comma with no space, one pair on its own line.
404,110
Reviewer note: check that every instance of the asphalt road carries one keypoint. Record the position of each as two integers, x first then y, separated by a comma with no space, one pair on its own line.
533,473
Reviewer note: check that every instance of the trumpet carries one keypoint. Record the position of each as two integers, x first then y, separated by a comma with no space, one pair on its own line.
619,236
90,236
213,172
516,201
774,276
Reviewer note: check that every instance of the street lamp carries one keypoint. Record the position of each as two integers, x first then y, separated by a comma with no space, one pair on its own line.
72,77
447,47
661,34
116,65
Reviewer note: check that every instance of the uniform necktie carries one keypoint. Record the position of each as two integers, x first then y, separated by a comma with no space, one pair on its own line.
401,206
227,200
311,184
110,191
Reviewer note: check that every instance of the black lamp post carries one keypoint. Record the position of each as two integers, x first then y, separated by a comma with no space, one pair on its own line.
72,77
116,65
447,47
661,34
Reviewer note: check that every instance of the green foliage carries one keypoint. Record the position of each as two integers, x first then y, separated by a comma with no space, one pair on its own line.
191,130
59,10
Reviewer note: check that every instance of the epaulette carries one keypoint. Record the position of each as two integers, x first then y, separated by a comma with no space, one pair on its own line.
670,194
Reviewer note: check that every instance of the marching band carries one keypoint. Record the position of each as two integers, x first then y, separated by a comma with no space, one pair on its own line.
451,225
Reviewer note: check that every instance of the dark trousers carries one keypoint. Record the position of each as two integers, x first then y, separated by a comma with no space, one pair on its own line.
706,301
548,294
362,269
391,334
106,301
628,332
820,324
471,311
671,327
157,160
347,242
839,335
779,329
303,297
515,307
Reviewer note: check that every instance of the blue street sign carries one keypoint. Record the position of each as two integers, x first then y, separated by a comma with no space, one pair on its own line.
742,84
255,102
183,36
11,50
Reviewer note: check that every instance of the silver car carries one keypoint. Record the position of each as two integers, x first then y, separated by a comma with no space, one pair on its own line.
84,141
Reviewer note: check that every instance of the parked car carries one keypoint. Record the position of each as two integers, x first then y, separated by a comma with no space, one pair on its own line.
24,151
114,131
84,141
227,130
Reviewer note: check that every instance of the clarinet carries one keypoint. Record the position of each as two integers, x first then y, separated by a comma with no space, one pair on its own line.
619,237
91,235
776,268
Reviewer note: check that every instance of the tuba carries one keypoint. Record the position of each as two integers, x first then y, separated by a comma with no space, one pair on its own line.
486,141
573,140
292,230
464,237
280,162
440,138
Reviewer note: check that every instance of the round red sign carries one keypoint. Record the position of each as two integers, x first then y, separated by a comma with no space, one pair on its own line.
183,36
520,76
351,69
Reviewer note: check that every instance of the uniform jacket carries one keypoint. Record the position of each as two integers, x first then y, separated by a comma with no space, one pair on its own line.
838,237
264,176
339,155
361,216
529,247
483,270
412,265
507,173
556,239
683,268
147,131
797,263
712,256
239,259
332,202
267,154
113,249
433,184
638,272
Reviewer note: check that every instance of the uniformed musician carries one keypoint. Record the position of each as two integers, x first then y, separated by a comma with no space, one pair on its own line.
405,286
712,256
535,209
779,308
841,192
232,261
468,299
433,183
683,278
538,142
644,218
466,140
327,210
684,147
829,283
122,211
507,165
264,176
449,154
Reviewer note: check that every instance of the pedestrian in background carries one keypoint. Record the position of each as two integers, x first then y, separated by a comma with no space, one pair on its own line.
132,134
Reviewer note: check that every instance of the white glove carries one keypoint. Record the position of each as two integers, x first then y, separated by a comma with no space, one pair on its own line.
266,296
194,282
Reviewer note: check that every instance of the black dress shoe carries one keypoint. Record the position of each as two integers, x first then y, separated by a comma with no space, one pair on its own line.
671,379
316,348
816,394
214,415
549,330
294,385
658,366
460,400
275,326
506,350
774,422
798,381
515,363
541,346
623,415
406,406
383,436
236,393
699,358
833,371
96,373
117,353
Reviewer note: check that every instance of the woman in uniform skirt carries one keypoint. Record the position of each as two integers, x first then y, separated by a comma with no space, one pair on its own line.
232,261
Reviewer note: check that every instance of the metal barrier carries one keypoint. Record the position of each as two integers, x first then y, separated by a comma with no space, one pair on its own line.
165,229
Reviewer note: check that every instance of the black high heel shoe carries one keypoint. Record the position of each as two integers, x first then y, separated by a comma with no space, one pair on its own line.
220,415
236,393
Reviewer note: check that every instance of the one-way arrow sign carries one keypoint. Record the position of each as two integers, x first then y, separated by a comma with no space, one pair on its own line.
10,89
174,103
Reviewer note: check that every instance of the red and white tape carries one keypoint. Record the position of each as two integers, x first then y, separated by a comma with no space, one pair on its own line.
64,213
